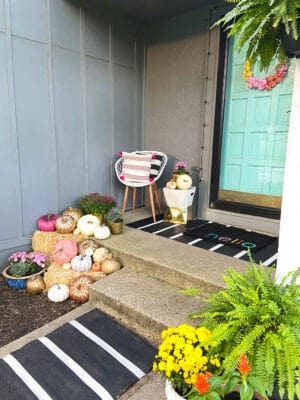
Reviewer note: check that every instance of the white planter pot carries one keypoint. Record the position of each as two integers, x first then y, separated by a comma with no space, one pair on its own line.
171,394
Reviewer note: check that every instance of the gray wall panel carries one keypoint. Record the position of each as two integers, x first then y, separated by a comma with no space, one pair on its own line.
100,140
8,202
97,35
36,147
69,125
124,108
2,27
124,43
67,109
23,13
65,24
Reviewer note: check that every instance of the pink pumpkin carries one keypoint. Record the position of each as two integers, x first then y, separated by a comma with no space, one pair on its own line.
64,250
47,222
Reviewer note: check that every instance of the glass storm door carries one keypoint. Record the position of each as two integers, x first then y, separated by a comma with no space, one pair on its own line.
254,138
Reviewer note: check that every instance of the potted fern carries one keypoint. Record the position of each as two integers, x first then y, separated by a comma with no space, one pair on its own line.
260,25
259,317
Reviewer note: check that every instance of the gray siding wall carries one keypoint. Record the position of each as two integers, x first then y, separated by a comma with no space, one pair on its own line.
71,81
181,77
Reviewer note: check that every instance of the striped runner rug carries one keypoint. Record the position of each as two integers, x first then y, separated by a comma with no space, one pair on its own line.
267,255
91,357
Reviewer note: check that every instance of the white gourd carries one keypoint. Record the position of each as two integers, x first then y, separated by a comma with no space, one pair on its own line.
171,185
81,263
58,292
102,232
110,265
184,182
87,224
100,254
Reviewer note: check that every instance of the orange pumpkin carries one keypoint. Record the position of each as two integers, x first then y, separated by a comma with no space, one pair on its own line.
96,267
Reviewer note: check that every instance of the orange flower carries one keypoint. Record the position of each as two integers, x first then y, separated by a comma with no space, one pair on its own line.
243,365
202,384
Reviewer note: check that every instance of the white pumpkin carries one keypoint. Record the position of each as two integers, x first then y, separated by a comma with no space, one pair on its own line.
171,185
58,292
100,254
102,232
87,224
81,263
184,182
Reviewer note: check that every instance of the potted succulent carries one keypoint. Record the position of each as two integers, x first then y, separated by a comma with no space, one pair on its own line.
96,204
22,266
248,341
260,26
114,219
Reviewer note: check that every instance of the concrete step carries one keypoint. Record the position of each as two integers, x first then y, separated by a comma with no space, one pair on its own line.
145,293
146,303
173,262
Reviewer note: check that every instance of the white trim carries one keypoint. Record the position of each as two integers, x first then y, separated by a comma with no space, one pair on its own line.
288,252
26,378
109,349
86,378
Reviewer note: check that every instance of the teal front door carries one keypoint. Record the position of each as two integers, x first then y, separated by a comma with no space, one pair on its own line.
254,137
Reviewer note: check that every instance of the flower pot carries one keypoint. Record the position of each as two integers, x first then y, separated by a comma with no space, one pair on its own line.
115,227
171,393
17,282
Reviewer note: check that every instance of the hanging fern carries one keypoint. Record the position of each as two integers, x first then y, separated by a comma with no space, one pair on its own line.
261,318
259,25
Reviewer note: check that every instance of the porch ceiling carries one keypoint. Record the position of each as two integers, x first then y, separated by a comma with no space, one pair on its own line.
149,10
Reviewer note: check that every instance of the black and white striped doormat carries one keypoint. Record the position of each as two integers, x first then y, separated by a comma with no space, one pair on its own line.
91,357
267,255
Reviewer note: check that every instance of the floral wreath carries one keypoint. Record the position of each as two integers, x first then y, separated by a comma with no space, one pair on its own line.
267,83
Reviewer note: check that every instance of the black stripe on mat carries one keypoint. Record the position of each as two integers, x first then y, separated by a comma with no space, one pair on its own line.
12,387
93,359
107,358
52,374
126,342
145,221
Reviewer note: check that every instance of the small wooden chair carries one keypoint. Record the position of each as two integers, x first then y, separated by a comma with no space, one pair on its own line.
151,185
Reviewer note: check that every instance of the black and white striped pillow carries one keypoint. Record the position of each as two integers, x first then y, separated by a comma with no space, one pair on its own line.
155,165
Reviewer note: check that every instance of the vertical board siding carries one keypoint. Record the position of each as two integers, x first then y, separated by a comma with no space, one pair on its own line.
65,24
23,13
98,120
68,125
97,26
69,86
2,27
9,226
124,108
33,129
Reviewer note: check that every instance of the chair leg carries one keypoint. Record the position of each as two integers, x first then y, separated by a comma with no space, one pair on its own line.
152,203
125,198
156,195
133,197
